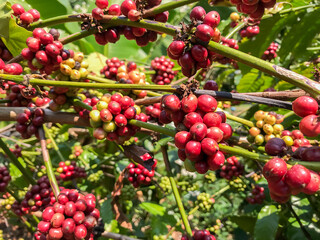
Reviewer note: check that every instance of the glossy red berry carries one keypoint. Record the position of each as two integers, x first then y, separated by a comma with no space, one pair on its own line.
193,149
35,14
275,169
298,177
176,48
212,19
209,146
207,103
197,13
199,53
126,6
102,3
198,131
17,9
304,106
204,32
310,126
189,103
26,18
216,161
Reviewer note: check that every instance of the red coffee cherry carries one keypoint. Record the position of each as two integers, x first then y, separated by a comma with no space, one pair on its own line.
304,106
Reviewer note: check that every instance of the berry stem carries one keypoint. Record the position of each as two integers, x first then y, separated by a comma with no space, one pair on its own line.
310,165
77,36
221,191
176,192
99,79
235,30
55,21
48,164
244,153
56,148
239,120
296,79
153,127
41,82
28,225
305,232
25,173
167,6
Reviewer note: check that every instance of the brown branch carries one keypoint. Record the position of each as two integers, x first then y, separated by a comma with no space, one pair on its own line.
281,95
10,114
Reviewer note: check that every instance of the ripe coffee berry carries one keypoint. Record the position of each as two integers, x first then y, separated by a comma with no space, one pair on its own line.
198,130
233,168
270,53
69,170
304,106
5,178
139,175
200,235
257,195
29,122
164,73
65,220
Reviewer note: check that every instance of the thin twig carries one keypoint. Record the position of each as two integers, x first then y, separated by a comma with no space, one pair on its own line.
305,232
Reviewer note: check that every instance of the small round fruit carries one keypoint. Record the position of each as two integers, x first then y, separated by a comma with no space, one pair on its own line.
275,169
304,106
298,177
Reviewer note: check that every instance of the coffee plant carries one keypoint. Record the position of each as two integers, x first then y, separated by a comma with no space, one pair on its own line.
187,119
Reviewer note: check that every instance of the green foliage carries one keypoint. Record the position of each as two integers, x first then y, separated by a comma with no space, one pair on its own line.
267,223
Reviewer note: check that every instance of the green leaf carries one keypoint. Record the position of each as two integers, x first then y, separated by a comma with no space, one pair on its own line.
300,35
254,81
153,208
106,211
267,223
271,28
246,223
96,62
5,16
16,39
124,49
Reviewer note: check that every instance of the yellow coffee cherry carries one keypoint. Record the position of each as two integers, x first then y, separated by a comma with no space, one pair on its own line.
278,128
102,105
106,97
268,137
259,139
259,115
268,129
78,57
254,131
270,119
136,92
70,62
138,109
82,96
260,124
234,17
62,77
123,69
83,72
65,69
75,75
84,64
288,140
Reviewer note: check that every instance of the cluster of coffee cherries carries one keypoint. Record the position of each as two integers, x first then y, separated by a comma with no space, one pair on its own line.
44,52
232,43
153,112
307,108
73,216
84,113
271,52
39,196
283,182
74,68
11,68
20,96
5,178
200,235
29,121
23,17
5,54
204,202
110,117
255,8
129,74
76,152
110,70
164,73
61,97
249,31
200,129
210,177
132,10
237,184
233,168
192,58
6,202
269,123
256,196
16,150
165,184
69,170
138,175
